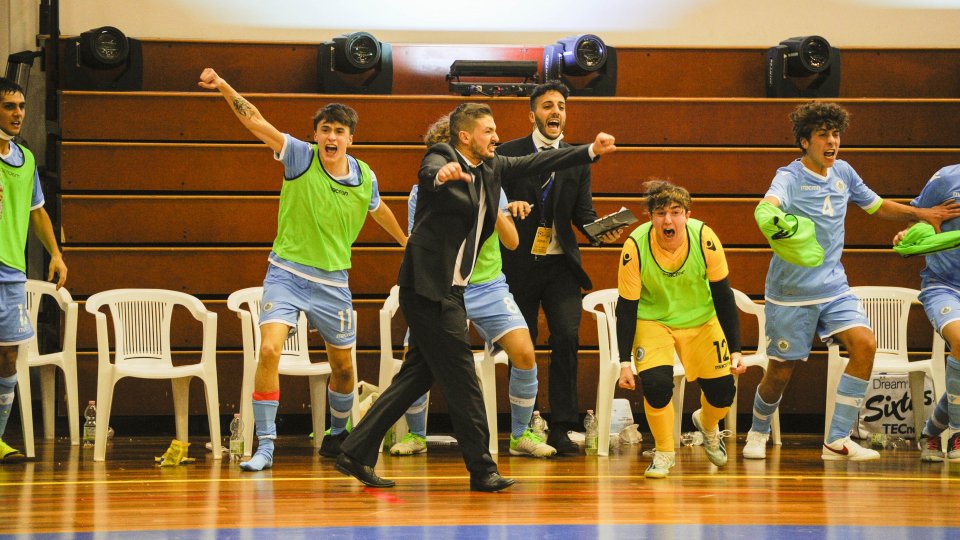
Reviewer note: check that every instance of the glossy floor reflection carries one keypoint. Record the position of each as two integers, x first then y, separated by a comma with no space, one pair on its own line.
791,494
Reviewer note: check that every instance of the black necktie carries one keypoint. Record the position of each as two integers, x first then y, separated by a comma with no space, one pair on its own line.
546,183
469,247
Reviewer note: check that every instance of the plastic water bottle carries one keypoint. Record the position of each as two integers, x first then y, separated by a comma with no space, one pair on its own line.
90,425
590,425
236,438
691,438
538,425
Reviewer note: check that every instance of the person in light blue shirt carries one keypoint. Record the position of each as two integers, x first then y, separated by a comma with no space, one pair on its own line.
940,296
21,209
803,300
325,198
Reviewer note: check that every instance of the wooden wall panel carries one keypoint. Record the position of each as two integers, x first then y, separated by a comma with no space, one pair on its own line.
186,168
185,334
219,271
148,116
207,272
144,397
642,71
155,219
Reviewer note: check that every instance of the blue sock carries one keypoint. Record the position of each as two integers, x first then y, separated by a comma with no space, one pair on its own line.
340,407
523,394
264,421
416,416
7,387
938,420
850,394
953,391
762,413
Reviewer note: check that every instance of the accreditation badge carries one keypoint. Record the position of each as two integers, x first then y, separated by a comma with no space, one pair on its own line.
542,241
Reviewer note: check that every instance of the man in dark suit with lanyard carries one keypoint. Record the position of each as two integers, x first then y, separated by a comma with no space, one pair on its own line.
546,268
456,212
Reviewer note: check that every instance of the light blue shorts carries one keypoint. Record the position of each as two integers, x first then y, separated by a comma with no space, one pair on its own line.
942,305
790,329
491,309
15,327
329,308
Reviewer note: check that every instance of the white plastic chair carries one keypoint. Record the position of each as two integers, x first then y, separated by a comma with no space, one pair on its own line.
609,367
486,366
28,356
141,323
389,362
758,359
888,309
294,360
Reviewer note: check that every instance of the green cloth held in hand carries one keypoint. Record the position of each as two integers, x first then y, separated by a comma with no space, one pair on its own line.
793,238
922,239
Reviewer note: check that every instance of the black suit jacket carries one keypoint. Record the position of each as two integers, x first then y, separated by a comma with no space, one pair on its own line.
446,213
570,201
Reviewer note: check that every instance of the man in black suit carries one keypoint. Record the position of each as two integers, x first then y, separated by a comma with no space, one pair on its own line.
545,269
456,212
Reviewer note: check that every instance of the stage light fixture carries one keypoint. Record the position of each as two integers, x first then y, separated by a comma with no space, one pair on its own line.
584,63
488,77
804,66
103,59
355,63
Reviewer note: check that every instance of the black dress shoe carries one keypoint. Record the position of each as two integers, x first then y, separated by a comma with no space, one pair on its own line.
490,482
559,439
363,473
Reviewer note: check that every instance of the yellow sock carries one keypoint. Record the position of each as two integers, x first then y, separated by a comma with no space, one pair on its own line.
661,425
710,416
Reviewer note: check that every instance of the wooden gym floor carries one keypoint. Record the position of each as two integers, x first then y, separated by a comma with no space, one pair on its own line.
63,494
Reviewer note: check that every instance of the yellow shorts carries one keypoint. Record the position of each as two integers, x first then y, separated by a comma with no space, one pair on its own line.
702,349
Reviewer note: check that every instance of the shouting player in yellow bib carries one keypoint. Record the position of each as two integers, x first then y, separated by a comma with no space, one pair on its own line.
675,297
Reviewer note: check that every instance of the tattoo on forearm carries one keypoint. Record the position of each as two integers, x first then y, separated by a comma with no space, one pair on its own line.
242,106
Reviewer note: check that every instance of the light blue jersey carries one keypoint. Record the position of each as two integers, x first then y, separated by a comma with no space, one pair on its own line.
942,268
824,200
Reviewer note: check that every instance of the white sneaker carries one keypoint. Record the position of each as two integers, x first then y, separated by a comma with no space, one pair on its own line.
756,446
661,465
410,444
712,441
953,448
930,449
845,449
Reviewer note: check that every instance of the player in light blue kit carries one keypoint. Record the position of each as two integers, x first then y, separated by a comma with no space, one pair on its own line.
811,195
940,295
22,207
495,315
324,200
